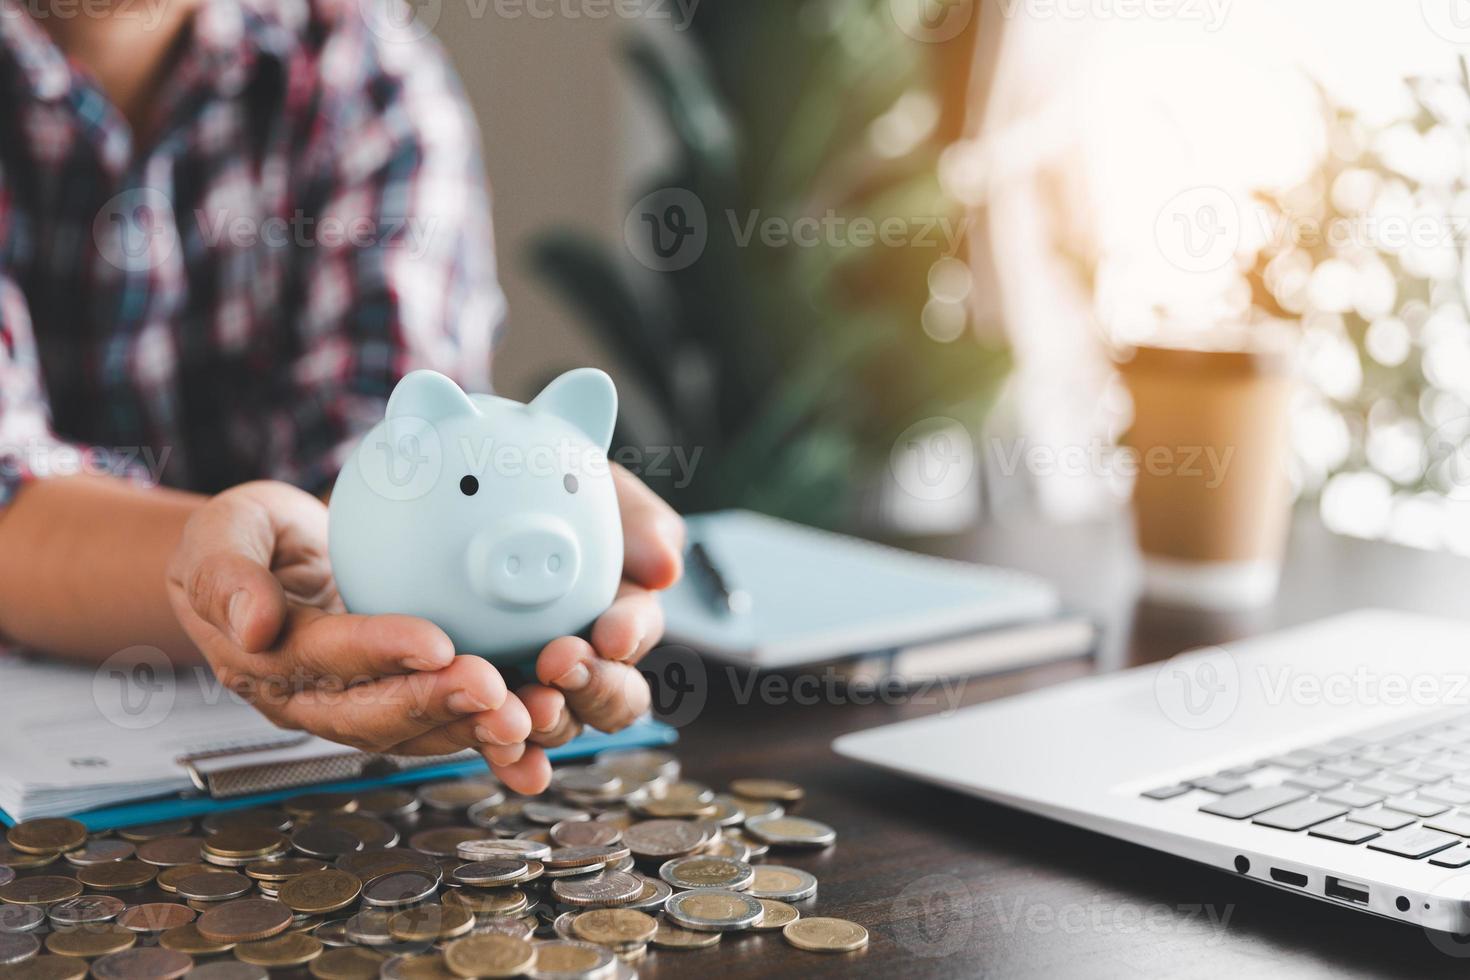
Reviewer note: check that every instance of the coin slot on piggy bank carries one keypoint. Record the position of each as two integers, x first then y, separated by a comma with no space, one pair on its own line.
493,519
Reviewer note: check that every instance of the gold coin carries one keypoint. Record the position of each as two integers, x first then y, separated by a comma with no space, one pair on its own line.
168,878
424,966
671,936
500,901
489,955
430,923
170,852
153,831
245,842
564,957
767,789
49,835
443,841
320,891
23,860
678,807
142,963
617,928
40,890
48,968
791,831
315,804
186,939
283,868
825,935
117,876
347,963
90,941
155,917
290,949
775,915
244,920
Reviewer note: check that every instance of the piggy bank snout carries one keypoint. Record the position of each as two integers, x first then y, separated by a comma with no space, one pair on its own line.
528,561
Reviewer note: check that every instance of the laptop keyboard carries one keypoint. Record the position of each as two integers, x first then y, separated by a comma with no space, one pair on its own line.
1406,794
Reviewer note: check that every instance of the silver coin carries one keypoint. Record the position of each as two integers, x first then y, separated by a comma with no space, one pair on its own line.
7,875
227,970
505,925
399,888
791,831
635,763
578,872
457,794
562,925
85,909
733,849
593,962
782,883
489,850
332,933
713,910
17,947
21,918
611,888
729,812
655,893
369,927
621,864
667,838
585,833
707,871
761,808
489,873
589,782
538,811
101,852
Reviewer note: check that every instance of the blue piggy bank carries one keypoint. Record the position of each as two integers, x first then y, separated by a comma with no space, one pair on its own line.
495,520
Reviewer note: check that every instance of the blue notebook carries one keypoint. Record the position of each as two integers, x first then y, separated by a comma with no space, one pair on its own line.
814,595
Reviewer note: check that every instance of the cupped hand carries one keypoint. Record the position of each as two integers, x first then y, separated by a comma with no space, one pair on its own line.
251,583
597,683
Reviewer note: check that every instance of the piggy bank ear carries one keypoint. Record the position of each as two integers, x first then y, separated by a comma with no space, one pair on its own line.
429,395
586,398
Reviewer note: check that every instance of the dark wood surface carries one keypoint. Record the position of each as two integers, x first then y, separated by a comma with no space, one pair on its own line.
950,886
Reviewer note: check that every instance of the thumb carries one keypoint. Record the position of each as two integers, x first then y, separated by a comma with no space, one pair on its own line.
221,572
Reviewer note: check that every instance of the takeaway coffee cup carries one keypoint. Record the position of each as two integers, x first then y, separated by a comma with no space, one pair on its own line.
1211,497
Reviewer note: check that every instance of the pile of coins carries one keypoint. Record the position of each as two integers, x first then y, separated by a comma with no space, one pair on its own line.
457,879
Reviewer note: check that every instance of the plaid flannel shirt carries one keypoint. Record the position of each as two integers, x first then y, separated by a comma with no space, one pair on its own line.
236,298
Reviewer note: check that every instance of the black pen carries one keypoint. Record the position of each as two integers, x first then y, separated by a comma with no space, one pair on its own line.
725,597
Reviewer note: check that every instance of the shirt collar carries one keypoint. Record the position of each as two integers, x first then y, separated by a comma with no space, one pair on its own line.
230,37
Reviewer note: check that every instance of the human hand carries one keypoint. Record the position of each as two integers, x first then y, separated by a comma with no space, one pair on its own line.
251,583
597,683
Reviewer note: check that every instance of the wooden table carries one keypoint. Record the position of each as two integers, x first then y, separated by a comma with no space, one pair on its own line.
950,886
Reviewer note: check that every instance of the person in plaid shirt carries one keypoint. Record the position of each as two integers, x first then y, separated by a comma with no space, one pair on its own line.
227,228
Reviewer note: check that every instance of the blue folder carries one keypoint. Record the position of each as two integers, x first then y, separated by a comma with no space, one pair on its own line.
641,734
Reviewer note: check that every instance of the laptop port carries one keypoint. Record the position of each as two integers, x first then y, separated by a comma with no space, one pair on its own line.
1348,891
1288,877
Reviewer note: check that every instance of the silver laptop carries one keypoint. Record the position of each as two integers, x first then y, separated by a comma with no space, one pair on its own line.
1330,760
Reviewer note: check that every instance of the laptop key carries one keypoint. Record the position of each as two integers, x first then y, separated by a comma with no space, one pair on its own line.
1456,857
1167,792
1385,785
1299,815
1298,759
1418,807
1447,793
1414,842
1421,775
1349,769
1249,802
1346,831
1353,797
1450,823
1224,785
1316,781
1382,819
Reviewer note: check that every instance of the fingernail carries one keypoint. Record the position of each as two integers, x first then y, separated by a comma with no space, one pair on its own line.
465,703
575,679
484,736
506,755
239,613
547,730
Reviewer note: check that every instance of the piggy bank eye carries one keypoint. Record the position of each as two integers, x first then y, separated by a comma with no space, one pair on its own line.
468,486
570,482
